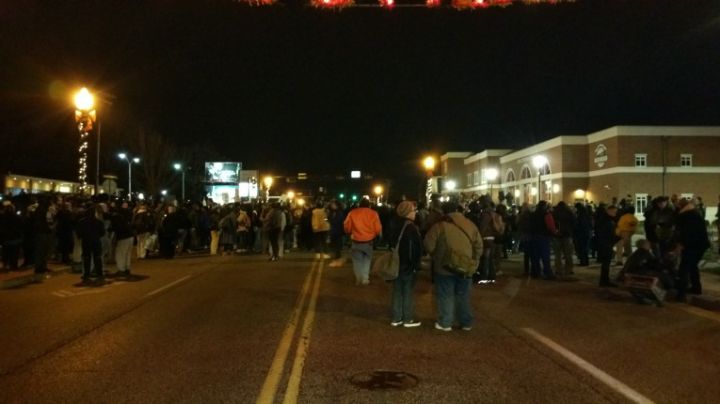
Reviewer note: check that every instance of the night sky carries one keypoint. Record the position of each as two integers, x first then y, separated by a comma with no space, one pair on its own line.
289,88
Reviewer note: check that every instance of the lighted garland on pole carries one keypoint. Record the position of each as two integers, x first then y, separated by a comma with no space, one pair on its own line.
390,4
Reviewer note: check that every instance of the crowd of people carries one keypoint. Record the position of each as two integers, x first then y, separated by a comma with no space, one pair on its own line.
476,233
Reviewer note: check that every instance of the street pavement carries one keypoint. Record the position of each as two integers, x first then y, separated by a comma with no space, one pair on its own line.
241,329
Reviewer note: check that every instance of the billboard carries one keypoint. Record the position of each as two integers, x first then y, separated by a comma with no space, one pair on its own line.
222,172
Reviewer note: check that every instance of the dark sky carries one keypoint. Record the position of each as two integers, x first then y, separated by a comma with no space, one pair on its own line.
292,88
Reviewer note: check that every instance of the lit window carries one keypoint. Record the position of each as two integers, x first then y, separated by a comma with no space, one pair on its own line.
476,177
641,160
469,179
686,160
641,202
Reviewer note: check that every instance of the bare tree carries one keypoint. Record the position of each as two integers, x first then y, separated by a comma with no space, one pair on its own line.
157,152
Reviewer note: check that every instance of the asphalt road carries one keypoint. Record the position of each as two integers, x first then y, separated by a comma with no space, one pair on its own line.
244,330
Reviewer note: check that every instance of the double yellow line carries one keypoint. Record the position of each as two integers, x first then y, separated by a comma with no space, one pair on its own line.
272,381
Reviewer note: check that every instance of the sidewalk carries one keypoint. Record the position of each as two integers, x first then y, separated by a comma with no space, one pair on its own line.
15,279
710,299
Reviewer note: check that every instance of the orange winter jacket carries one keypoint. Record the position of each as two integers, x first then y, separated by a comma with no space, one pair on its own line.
362,224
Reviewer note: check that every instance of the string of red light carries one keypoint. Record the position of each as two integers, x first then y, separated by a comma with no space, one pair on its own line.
390,4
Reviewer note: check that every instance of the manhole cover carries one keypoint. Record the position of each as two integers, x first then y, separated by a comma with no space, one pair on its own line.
384,380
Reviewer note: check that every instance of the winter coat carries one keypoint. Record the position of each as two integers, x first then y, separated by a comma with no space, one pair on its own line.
691,232
627,224
605,236
320,220
454,233
410,249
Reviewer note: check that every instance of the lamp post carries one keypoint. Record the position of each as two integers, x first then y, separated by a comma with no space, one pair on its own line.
85,116
268,181
378,190
130,161
491,174
539,162
179,167
429,164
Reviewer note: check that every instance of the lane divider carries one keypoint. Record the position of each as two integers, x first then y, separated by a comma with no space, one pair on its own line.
277,368
169,285
600,375
293,389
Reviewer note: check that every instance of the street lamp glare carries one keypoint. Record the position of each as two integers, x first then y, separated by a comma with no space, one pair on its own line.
450,185
136,160
491,174
429,163
177,166
378,190
122,156
268,181
290,194
84,101
539,161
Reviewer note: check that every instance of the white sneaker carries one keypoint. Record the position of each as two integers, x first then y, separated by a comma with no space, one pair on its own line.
396,323
411,323
467,328
441,328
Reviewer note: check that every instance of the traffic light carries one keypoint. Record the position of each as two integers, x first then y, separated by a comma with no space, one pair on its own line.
341,196
354,197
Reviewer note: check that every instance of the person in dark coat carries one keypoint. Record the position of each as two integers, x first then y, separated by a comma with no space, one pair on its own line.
168,232
42,222
542,228
337,232
65,222
410,252
563,241
693,241
121,226
605,239
90,230
582,234
11,236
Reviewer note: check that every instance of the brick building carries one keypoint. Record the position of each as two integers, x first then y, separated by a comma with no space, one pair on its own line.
640,161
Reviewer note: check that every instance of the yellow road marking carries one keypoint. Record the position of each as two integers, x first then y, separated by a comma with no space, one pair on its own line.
269,389
293,389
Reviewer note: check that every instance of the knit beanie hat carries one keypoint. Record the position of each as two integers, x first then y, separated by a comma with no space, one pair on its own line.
405,208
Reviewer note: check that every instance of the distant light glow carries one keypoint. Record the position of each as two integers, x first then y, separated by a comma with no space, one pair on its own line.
450,185
579,193
491,174
355,174
122,156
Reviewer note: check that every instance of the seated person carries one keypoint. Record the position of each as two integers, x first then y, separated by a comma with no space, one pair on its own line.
643,262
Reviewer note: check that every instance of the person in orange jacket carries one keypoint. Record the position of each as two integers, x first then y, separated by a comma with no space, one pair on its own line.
363,225
626,227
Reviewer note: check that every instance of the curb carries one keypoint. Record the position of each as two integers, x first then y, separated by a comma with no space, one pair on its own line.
32,278
705,302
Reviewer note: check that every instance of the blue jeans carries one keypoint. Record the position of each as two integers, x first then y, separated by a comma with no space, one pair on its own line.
362,257
453,295
487,265
541,253
403,302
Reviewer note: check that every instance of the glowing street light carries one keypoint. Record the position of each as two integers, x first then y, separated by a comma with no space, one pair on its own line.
291,195
491,174
378,191
85,117
130,161
450,185
179,167
539,162
429,164
268,181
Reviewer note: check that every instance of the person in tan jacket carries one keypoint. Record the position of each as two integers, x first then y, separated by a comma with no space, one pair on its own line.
453,235
363,225
320,228
626,227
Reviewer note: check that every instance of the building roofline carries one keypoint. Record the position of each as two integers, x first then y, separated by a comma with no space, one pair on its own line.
487,153
456,155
